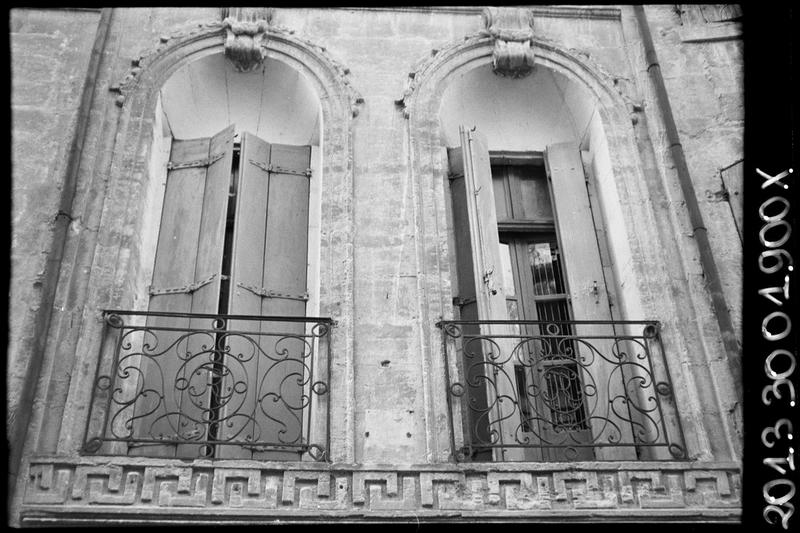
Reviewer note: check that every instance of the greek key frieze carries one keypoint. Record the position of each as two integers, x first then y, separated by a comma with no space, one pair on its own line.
526,497
47,485
405,500
101,485
585,490
176,487
360,480
310,498
427,481
712,489
244,488
309,490
322,480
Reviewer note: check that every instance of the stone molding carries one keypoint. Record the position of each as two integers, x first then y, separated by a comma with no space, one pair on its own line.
137,490
276,39
512,31
567,12
721,31
478,48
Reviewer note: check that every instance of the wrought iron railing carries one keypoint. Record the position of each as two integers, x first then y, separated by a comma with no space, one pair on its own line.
559,391
201,385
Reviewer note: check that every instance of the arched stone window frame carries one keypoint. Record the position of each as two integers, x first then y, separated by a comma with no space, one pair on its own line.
113,269
429,164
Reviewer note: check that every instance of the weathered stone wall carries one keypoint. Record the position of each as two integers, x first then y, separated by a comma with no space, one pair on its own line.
50,52
703,69
392,391
380,48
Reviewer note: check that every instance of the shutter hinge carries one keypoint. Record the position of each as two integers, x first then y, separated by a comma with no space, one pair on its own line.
488,277
266,293
187,289
274,169
452,176
196,163
458,301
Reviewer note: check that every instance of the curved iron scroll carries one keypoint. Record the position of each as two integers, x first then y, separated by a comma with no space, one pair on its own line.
570,387
197,384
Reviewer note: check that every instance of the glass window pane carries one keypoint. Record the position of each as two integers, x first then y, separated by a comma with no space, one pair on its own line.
501,198
545,264
541,264
535,196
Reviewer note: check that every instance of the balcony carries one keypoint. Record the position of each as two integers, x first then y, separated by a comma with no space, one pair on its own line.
559,391
198,385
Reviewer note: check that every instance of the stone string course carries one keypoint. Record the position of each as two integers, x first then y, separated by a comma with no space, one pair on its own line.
61,489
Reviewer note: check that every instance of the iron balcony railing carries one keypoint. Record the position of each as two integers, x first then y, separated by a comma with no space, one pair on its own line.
559,391
201,385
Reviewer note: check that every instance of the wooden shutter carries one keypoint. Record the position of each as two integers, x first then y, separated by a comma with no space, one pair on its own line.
477,426
477,195
269,279
588,296
189,251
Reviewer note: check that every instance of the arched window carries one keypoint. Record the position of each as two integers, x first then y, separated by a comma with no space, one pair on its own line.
543,367
221,358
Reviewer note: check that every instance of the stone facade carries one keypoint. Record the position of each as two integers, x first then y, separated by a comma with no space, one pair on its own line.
85,89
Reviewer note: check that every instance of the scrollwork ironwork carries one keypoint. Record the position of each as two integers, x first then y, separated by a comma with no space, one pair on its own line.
204,382
566,389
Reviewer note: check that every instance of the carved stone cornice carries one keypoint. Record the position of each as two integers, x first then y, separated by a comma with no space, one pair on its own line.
246,35
558,12
512,31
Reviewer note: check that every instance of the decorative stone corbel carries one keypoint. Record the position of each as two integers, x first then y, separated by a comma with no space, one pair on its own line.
246,27
512,29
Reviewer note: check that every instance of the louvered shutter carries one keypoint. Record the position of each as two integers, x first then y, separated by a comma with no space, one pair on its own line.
186,279
477,196
269,279
589,300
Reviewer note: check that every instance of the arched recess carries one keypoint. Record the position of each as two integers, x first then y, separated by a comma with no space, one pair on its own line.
136,174
623,194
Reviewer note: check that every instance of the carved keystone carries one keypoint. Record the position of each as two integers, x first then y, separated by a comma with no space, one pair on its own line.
246,27
512,30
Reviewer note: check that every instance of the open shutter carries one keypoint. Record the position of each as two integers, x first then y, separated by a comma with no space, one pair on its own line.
268,279
186,279
499,419
474,419
589,301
